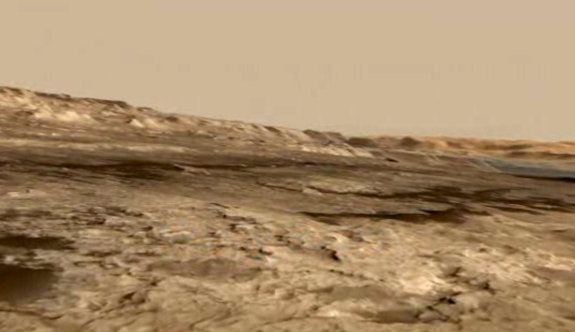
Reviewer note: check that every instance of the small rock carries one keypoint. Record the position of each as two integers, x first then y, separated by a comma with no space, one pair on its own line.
470,301
430,316
140,235
117,222
309,191
180,237
242,228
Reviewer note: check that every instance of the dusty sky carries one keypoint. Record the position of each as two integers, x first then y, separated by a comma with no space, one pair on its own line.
489,68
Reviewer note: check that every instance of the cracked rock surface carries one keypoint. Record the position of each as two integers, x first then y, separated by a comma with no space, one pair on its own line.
116,218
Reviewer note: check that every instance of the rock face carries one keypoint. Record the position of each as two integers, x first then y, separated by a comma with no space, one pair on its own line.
517,149
119,218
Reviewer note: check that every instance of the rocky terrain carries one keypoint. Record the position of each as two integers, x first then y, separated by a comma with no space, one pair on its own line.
122,218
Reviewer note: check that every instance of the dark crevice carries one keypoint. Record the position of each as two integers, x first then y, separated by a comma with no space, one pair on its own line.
455,215
14,214
456,196
29,242
21,284
551,179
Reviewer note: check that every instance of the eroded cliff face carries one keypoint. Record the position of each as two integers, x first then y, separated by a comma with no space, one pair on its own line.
119,218
516,149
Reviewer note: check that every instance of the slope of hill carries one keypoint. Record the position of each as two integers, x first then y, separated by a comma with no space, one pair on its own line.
123,218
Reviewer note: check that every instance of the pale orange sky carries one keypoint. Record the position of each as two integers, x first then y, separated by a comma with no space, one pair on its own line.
489,68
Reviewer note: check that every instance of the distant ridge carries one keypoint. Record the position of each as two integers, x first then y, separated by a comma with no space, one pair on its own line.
32,107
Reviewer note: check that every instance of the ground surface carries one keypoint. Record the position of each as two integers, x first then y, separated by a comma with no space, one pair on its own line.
115,218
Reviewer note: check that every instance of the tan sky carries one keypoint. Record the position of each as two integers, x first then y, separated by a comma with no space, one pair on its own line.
489,68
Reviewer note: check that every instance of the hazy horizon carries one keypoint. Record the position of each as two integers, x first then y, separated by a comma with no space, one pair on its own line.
488,69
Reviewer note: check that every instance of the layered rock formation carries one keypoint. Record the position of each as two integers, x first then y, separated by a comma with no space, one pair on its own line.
556,151
122,218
